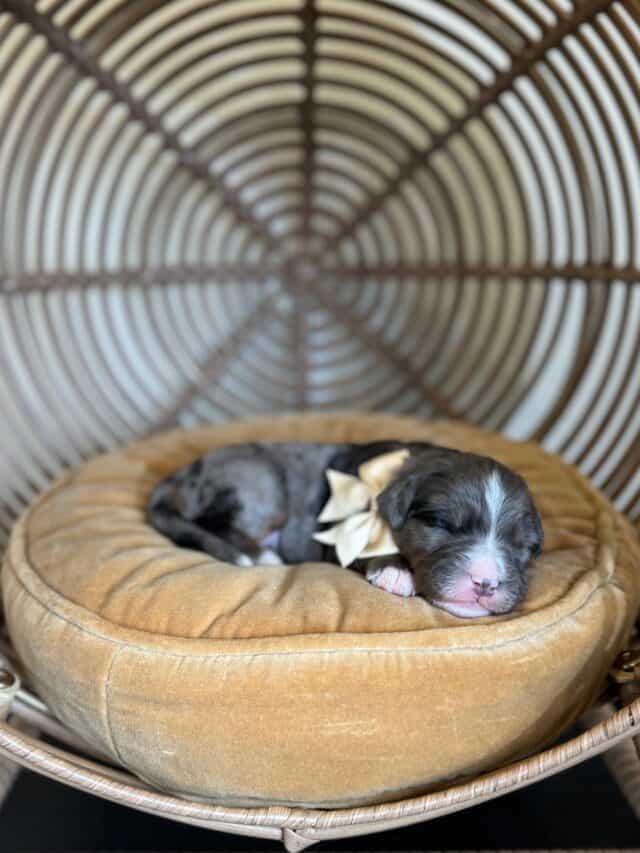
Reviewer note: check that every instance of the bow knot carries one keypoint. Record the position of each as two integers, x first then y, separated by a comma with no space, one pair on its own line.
362,532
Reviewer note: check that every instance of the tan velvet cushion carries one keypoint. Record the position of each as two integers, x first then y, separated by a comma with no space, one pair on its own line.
303,684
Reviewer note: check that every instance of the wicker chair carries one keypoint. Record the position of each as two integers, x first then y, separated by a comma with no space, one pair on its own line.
215,209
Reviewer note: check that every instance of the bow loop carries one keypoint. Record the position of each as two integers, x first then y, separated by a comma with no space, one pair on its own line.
362,531
348,495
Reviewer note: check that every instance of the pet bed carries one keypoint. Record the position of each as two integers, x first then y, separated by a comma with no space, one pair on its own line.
304,685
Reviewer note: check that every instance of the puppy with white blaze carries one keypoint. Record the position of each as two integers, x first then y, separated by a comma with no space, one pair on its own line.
463,529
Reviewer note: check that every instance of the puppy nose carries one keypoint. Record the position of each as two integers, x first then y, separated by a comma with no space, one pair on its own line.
484,586
484,575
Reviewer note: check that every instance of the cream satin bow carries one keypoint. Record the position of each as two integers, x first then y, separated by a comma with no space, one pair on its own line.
362,531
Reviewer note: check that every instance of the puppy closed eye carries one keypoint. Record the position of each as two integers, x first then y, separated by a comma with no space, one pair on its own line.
437,521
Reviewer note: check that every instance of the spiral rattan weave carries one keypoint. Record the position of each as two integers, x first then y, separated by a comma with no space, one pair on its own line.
217,208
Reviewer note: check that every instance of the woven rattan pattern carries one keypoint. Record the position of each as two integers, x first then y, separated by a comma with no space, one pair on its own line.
216,209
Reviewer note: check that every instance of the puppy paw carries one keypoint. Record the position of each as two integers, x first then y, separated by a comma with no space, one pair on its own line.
245,561
392,579
267,557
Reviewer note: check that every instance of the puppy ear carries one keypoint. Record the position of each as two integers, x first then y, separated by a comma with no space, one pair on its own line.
394,502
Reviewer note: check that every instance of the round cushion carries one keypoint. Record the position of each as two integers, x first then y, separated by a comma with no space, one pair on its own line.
304,685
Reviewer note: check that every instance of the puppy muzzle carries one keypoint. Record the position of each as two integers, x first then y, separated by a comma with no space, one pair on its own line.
467,581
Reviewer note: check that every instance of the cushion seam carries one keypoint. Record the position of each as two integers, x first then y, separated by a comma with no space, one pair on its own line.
106,700
605,582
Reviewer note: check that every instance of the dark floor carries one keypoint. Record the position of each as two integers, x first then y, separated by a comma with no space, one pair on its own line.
580,808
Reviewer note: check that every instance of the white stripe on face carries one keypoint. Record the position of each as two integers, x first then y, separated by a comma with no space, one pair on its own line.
485,559
494,496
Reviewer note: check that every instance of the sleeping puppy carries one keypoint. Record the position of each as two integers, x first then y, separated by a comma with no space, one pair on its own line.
465,526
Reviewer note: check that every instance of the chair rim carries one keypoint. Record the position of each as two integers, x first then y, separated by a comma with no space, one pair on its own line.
299,827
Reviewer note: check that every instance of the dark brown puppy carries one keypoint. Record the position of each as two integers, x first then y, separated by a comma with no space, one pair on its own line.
465,526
